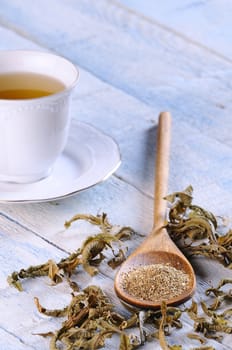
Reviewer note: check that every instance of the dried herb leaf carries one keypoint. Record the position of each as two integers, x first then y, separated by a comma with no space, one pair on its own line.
163,323
89,256
90,318
53,313
87,323
92,248
125,343
54,272
188,224
130,322
99,220
196,337
13,280
117,259
162,338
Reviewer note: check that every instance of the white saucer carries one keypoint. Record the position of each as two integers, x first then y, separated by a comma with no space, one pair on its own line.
89,158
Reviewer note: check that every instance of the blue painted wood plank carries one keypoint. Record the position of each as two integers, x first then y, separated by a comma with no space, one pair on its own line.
141,59
206,22
131,69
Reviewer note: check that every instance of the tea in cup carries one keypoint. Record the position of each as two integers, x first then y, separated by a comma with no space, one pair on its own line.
35,93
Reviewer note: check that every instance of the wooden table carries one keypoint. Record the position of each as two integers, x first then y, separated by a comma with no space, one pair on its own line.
131,68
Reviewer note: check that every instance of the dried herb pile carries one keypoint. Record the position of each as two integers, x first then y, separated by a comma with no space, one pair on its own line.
90,318
89,256
196,229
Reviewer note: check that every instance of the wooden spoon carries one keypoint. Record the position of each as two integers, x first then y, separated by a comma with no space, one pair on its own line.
158,248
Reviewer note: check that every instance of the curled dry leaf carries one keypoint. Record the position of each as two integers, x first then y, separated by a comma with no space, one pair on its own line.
90,318
89,256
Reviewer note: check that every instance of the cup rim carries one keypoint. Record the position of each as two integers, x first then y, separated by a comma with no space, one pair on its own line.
66,90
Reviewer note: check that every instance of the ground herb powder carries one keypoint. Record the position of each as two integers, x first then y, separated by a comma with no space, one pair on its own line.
155,282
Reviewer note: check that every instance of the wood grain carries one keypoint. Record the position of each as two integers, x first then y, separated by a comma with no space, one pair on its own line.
131,69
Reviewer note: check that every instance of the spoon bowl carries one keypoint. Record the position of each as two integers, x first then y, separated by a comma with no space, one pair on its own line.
158,248
150,257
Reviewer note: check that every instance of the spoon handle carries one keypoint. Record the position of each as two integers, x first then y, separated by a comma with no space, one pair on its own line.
162,168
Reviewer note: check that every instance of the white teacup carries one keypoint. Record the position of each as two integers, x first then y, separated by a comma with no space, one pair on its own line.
35,90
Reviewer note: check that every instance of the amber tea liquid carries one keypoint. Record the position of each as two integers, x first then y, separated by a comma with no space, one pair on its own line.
17,86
